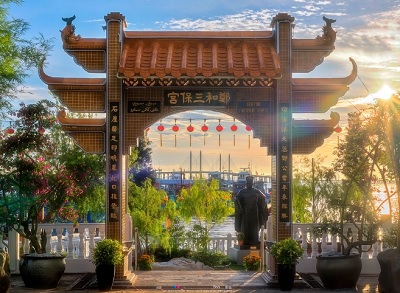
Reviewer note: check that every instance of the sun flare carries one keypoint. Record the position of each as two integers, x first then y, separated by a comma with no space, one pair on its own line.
385,93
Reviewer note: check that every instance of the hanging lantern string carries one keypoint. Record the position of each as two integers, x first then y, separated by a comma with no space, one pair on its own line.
197,119
204,128
190,128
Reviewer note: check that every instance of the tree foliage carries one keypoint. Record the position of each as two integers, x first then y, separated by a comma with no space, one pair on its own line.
313,184
140,165
68,154
30,183
388,112
206,203
151,211
359,157
18,55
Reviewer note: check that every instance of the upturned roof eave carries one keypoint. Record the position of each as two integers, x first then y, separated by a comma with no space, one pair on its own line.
54,81
86,44
303,83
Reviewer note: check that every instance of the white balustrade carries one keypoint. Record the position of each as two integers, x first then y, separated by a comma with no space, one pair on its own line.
79,245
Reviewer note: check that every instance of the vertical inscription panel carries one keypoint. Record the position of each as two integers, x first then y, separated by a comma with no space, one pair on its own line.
114,157
284,158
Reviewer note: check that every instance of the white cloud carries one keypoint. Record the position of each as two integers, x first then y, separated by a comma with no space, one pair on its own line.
312,8
245,20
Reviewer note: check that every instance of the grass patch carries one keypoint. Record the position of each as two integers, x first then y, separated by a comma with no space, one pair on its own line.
235,267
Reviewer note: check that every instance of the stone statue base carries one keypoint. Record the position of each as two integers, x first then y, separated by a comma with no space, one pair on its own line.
247,247
238,252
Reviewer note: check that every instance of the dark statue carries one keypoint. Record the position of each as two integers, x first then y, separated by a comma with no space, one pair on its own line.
251,212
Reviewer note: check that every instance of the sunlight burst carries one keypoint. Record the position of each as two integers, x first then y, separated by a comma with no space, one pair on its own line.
385,93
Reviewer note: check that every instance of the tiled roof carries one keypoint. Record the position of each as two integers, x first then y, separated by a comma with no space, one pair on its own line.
199,54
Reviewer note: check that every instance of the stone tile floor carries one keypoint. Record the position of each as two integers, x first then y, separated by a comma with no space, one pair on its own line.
194,281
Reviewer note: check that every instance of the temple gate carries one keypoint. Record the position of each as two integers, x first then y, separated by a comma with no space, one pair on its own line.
153,74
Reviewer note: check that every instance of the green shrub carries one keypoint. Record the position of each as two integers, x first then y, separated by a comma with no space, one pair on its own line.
161,254
212,259
390,238
108,252
145,262
252,262
286,252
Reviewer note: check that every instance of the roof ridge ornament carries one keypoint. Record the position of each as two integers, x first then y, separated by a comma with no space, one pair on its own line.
68,33
329,35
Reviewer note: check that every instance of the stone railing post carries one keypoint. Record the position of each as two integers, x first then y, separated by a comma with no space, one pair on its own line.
262,249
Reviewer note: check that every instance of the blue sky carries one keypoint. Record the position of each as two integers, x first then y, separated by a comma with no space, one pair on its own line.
367,31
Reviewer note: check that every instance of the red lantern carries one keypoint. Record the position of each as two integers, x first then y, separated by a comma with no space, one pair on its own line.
234,128
338,129
204,128
248,128
190,128
41,130
175,128
219,128
10,131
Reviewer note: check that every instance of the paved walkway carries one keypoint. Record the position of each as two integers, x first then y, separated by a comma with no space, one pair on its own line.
192,281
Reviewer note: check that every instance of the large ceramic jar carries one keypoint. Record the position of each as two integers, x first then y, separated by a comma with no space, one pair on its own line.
41,271
339,271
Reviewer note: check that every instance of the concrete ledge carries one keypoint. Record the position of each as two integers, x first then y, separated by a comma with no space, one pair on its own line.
236,254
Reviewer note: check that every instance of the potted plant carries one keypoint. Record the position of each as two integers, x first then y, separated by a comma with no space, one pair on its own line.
36,187
356,219
240,238
106,255
286,253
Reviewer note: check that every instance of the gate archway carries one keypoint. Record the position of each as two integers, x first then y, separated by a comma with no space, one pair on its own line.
150,75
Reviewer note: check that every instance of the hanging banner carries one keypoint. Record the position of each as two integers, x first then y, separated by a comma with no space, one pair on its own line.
114,178
284,162
198,98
